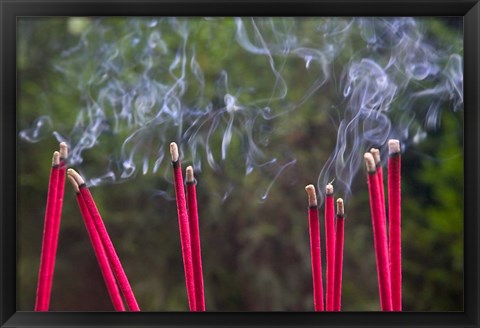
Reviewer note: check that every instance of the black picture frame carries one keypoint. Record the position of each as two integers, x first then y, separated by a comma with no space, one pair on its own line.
10,10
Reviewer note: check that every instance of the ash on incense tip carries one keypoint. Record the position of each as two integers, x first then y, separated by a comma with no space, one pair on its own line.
312,197
78,178
329,189
376,155
56,158
63,150
189,177
340,209
369,162
174,151
393,146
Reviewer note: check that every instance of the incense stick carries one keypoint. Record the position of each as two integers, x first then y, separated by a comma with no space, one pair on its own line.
42,300
379,235
183,226
394,214
339,240
107,242
315,248
378,164
195,239
60,191
330,244
99,250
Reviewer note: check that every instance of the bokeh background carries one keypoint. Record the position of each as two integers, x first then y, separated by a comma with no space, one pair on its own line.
260,107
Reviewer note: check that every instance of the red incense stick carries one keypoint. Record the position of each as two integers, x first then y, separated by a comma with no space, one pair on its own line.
99,250
378,164
339,240
315,248
330,244
195,239
379,235
394,214
44,275
183,227
62,172
107,243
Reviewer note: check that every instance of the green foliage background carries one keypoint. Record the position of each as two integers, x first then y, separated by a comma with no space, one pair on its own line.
255,254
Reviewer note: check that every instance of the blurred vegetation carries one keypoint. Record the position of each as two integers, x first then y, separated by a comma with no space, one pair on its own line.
255,254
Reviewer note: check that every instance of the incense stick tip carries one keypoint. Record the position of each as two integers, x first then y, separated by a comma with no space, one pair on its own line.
63,150
340,209
189,174
369,162
376,155
312,196
329,189
74,174
56,158
174,151
393,146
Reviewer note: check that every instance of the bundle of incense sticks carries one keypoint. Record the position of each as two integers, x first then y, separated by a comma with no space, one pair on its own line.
100,253
107,257
387,248
379,235
189,232
109,262
53,213
334,233
104,250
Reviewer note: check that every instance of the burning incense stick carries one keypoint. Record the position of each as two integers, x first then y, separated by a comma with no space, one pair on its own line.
183,226
315,248
42,300
378,164
99,250
107,243
60,191
379,235
330,244
394,214
339,237
195,239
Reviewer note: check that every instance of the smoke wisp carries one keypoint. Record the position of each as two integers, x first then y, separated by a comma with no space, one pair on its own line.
144,82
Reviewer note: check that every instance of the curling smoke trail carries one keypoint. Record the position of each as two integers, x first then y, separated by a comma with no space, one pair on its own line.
145,82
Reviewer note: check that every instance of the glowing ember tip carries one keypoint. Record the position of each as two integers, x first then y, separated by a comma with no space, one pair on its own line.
56,158
329,189
369,162
376,155
189,174
340,210
312,196
78,178
63,150
174,151
393,146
